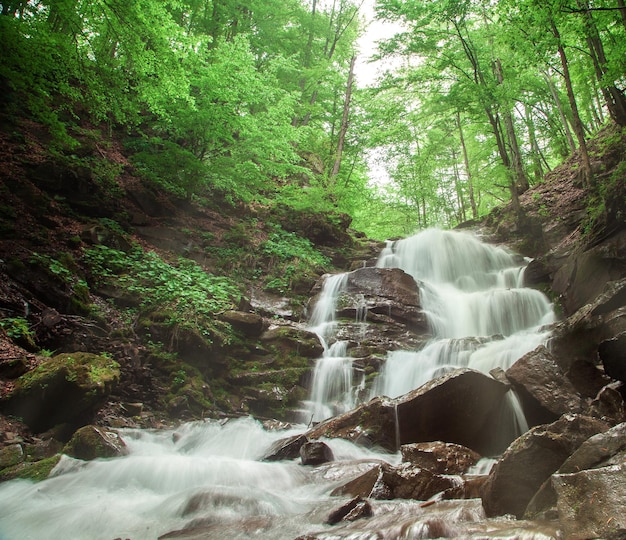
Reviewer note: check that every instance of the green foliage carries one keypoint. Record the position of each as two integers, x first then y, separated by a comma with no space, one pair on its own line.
18,328
185,292
291,258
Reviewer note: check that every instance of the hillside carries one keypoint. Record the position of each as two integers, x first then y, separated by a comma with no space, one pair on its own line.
177,292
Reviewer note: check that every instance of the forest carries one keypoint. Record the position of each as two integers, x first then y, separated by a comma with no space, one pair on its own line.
259,101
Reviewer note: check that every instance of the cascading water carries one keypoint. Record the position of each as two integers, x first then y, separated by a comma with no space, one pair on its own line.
480,314
332,390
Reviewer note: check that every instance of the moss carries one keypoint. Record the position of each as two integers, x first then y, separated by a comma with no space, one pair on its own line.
37,471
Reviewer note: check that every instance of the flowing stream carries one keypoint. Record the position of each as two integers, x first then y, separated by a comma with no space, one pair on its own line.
207,479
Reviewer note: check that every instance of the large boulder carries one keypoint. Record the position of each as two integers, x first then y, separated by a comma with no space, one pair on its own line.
91,442
531,460
544,390
384,481
591,503
584,275
460,407
287,448
389,292
369,424
439,457
315,453
64,389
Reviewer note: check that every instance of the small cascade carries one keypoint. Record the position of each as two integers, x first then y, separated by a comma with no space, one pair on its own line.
332,390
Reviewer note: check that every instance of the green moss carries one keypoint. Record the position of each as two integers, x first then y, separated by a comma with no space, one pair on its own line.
37,471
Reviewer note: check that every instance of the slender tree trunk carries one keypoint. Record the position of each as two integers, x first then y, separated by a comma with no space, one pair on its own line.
559,107
577,123
613,96
461,213
468,172
516,156
534,146
344,119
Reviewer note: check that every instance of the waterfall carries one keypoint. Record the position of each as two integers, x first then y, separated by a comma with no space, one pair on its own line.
472,293
480,315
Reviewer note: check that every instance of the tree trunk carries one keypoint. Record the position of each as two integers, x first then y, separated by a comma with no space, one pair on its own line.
344,119
559,107
534,146
468,172
613,96
577,123
516,156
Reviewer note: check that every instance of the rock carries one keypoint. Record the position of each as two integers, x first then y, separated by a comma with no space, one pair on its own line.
315,453
10,455
613,355
64,389
385,291
91,442
351,511
466,404
591,502
600,450
369,424
406,481
439,457
578,337
609,405
284,341
287,448
12,368
531,459
248,323
584,276
543,389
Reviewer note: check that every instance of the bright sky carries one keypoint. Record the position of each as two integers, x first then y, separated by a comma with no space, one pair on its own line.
366,72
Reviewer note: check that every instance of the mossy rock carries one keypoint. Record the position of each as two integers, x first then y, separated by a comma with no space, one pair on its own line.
11,455
288,343
64,389
30,470
91,442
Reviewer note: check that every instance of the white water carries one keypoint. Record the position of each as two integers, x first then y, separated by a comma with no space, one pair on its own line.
480,315
207,474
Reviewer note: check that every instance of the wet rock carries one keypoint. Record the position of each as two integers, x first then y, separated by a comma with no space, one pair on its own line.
406,481
91,442
12,368
287,448
459,407
531,459
315,453
591,503
613,355
64,389
578,337
607,448
609,404
544,390
354,509
369,424
439,457
384,291
584,276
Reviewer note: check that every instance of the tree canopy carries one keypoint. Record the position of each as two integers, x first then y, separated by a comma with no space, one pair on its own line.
258,99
